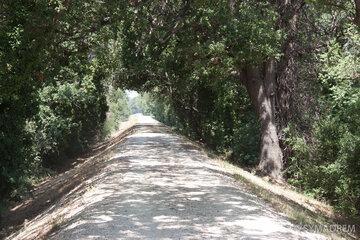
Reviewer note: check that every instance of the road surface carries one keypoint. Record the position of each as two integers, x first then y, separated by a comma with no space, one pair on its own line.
158,185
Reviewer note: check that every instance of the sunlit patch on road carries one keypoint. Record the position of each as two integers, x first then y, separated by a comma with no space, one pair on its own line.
154,188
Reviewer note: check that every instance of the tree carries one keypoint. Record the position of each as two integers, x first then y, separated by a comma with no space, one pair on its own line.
357,12
51,81
169,46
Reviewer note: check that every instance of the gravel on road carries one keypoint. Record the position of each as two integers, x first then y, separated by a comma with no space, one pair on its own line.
158,185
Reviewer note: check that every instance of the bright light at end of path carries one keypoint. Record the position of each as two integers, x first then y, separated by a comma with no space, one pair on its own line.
131,94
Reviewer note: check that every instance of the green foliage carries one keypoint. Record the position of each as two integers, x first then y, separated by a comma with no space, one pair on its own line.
136,104
57,57
329,166
52,71
190,72
20,59
189,44
70,115
187,60
118,110
227,123
160,109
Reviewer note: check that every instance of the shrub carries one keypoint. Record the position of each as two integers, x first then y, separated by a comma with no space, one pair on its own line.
70,115
327,165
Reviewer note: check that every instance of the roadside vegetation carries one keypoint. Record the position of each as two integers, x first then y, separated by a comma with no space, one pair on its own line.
274,85
56,87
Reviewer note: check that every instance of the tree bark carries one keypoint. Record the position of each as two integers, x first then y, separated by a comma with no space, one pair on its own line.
357,13
259,82
287,68
287,72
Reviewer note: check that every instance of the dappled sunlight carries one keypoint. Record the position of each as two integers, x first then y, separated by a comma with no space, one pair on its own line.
155,188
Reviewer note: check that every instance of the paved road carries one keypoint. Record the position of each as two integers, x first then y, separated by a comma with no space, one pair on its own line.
159,186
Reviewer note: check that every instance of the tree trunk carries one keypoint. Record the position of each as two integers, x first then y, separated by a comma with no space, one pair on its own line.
289,12
287,69
357,13
259,83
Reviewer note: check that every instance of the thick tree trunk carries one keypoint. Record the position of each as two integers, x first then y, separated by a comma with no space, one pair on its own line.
357,13
287,68
287,72
260,84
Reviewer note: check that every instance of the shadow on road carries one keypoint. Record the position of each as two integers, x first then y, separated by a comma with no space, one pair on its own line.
155,188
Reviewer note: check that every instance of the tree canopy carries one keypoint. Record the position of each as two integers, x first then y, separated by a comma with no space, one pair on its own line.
273,84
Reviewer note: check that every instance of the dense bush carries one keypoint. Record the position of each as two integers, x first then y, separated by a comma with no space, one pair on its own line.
327,164
20,59
70,115
53,65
